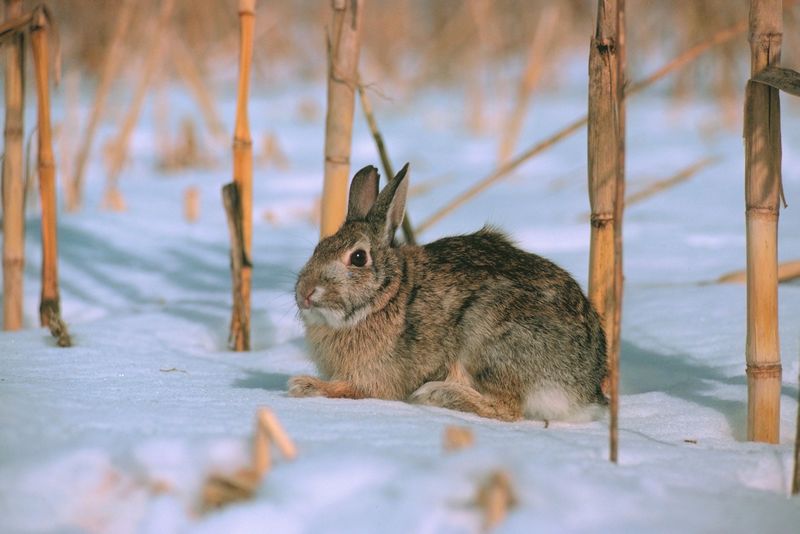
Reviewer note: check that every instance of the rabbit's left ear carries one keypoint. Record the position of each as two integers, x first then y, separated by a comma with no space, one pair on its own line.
363,192
390,205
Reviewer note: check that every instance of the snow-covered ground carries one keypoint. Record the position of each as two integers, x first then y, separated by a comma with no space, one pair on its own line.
118,433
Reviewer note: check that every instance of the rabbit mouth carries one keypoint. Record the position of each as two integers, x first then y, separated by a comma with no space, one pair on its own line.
332,318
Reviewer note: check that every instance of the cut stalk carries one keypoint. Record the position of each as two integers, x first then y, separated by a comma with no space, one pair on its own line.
605,180
762,132
506,169
343,49
243,176
49,308
388,170
239,338
119,154
13,176
74,193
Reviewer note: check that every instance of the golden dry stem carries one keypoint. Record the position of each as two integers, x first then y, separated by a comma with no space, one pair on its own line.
606,183
191,204
74,193
763,191
787,271
13,186
503,171
344,37
457,438
388,169
119,147
221,489
239,337
46,164
496,497
243,178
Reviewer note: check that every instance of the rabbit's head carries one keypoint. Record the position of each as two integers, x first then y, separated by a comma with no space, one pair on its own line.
354,271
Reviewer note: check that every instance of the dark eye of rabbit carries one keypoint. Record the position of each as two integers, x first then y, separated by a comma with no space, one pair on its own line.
358,258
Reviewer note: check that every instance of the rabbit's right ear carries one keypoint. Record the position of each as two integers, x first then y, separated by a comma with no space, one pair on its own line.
363,192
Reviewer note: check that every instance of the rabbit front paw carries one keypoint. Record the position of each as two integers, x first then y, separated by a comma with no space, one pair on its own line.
306,386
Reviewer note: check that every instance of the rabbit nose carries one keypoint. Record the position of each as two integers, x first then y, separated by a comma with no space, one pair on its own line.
304,298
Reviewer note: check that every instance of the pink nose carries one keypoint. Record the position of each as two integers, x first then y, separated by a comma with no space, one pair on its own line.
305,303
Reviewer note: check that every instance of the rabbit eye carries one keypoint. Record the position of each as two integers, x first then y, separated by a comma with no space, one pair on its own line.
358,258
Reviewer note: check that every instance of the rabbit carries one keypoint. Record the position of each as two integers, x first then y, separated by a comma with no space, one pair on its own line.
469,322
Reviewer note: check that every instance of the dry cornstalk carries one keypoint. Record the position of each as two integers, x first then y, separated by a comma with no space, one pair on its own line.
388,170
721,37
15,22
343,49
662,185
191,204
243,176
74,193
457,438
222,489
537,51
239,338
786,80
605,179
13,177
119,152
187,69
495,498
787,271
762,133
49,306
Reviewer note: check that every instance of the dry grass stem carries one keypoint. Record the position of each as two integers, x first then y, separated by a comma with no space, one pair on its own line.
344,40
663,185
787,271
119,147
496,497
606,180
786,80
796,471
457,438
13,184
74,192
762,133
243,178
269,425
58,329
503,171
49,304
239,338
191,204
388,169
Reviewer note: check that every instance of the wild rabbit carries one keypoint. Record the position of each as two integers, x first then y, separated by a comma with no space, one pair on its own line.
470,322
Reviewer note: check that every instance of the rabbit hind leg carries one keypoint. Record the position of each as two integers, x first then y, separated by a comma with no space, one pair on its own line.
455,395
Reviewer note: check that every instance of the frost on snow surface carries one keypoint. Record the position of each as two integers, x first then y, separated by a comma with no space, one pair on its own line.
118,433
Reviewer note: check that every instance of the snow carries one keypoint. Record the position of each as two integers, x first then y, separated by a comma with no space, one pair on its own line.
118,433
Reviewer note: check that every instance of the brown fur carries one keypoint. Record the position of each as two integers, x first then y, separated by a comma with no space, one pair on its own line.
470,323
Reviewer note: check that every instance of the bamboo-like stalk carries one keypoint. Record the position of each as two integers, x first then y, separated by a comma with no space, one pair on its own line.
13,176
74,193
537,51
388,170
243,175
344,41
605,178
762,133
239,338
119,154
719,38
49,306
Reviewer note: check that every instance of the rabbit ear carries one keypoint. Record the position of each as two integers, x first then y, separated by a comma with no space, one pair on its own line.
363,192
390,206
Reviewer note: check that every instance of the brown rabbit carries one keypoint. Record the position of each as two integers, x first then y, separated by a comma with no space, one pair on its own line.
470,322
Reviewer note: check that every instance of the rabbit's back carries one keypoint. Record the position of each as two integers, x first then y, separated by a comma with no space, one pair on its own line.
516,322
